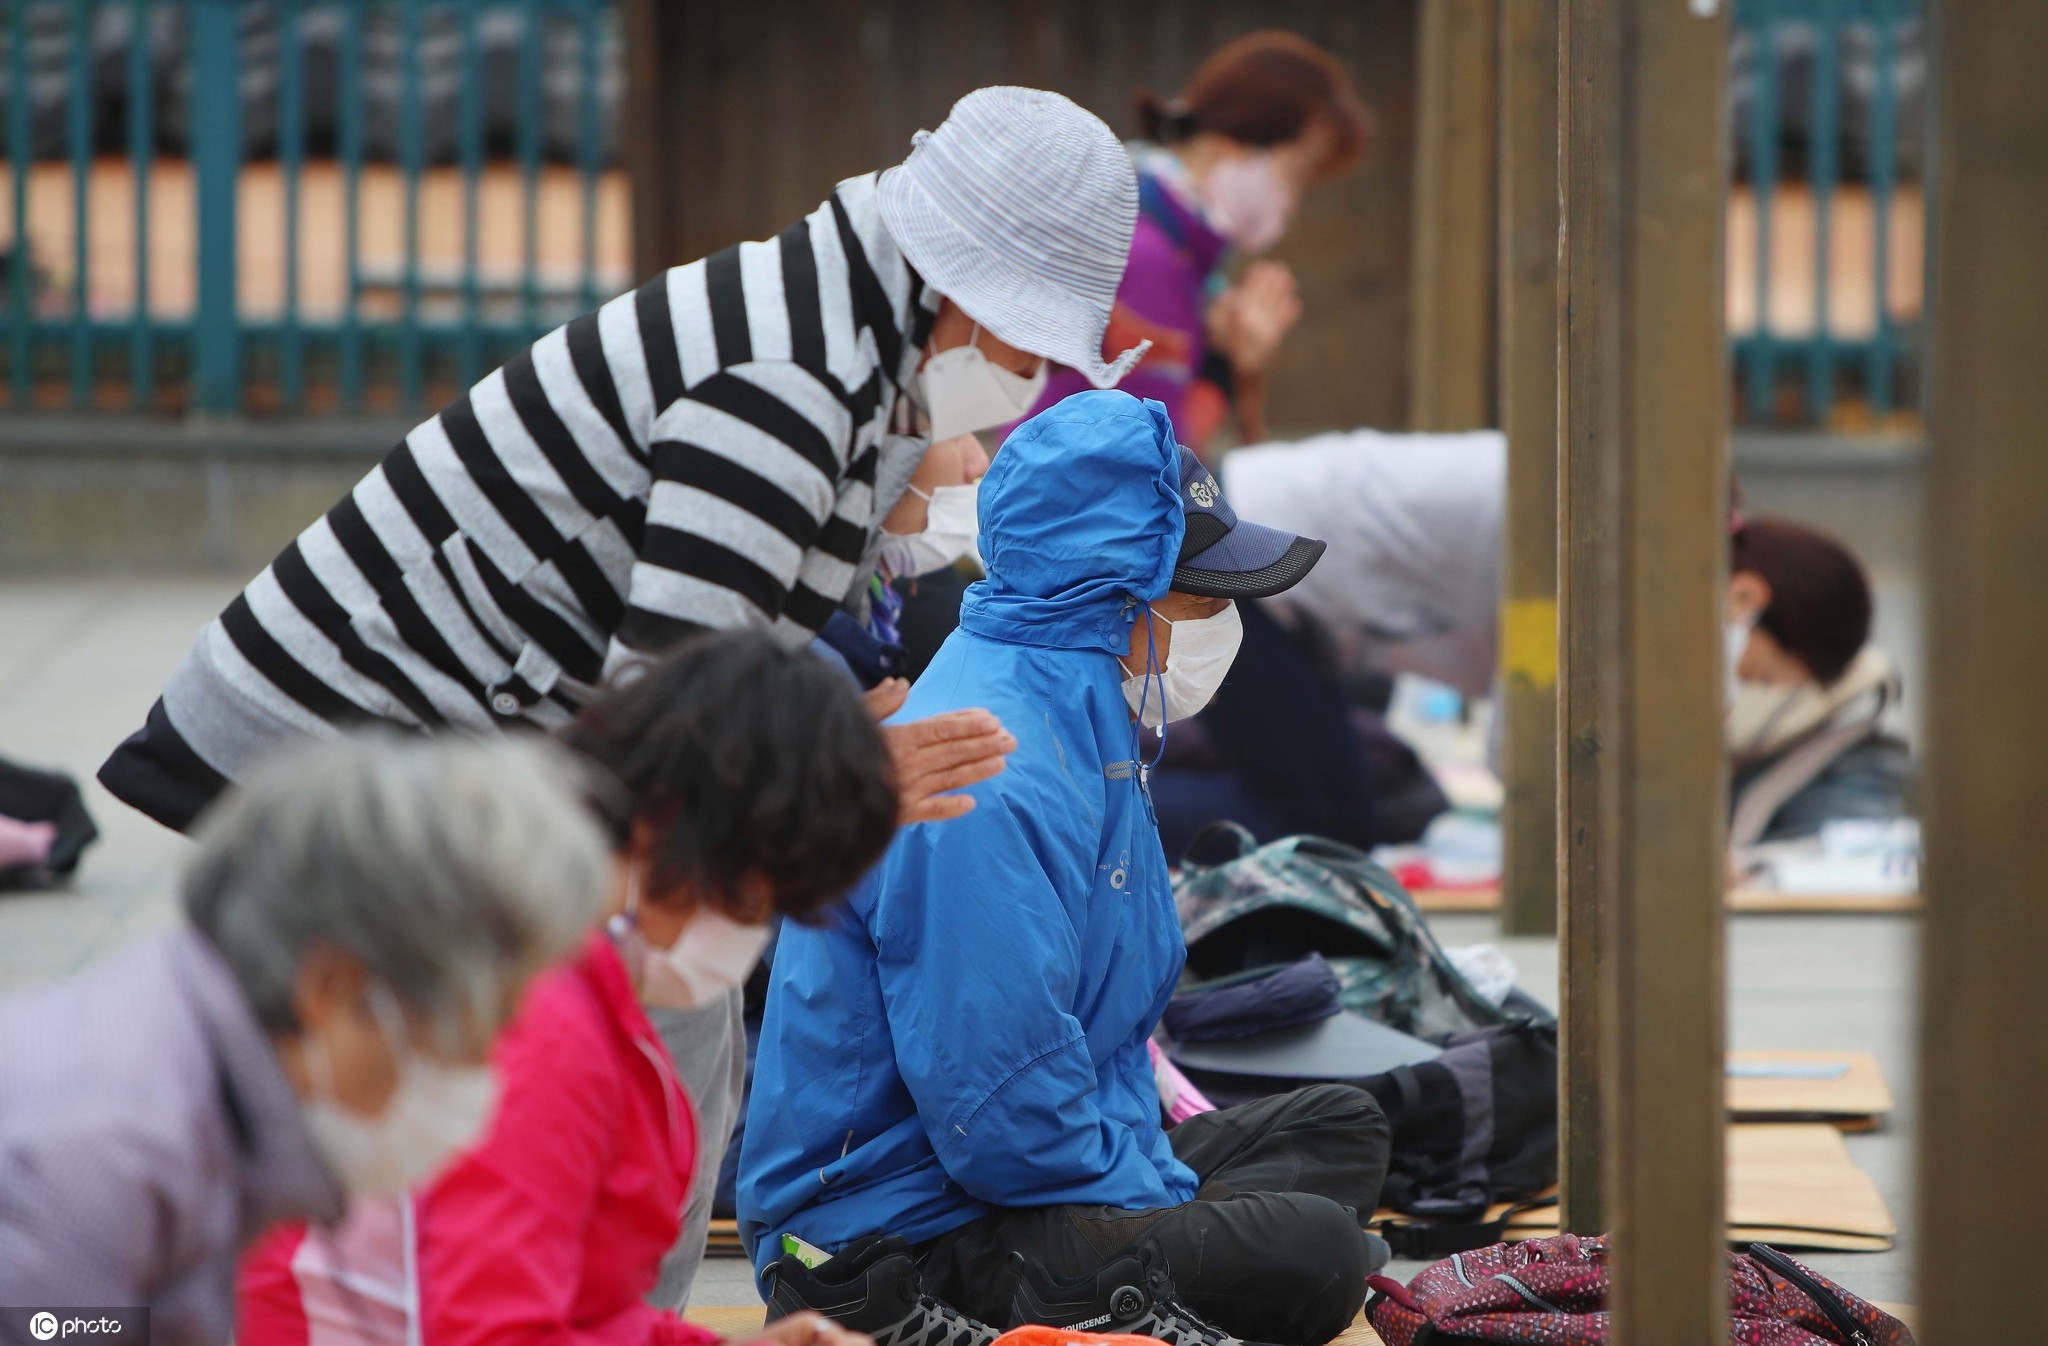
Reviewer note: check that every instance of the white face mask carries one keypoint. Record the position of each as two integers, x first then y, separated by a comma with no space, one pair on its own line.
1734,643
438,1110
952,526
1246,201
1198,657
713,955
962,390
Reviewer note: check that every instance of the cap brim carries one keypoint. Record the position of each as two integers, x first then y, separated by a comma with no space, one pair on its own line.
1250,561
1022,309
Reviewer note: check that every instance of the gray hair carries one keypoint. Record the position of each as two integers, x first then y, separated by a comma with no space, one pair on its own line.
452,869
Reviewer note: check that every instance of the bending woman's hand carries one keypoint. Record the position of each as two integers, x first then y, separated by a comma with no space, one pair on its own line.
940,754
1249,320
804,1329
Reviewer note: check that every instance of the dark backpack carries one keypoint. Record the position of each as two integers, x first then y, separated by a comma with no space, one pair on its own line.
1476,1125
31,796
1554,1291
1279,903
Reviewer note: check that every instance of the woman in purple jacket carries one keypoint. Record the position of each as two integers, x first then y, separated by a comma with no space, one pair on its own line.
1221,167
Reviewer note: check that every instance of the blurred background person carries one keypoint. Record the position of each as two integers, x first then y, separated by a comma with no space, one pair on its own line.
751,784
362,919
1221,167
1295,740
928,531
1810,734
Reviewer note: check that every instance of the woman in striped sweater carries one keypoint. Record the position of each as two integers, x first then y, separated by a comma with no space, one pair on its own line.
714,450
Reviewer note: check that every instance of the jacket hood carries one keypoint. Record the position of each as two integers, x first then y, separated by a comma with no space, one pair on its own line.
1080,513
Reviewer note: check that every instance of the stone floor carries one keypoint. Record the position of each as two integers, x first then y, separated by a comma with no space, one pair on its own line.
83,658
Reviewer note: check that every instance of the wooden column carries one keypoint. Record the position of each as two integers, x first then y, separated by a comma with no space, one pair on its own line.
1644,497
658,106
1984,1139
1451,318
1528,365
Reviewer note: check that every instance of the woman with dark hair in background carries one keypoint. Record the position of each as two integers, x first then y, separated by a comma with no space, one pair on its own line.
1808,694
1222,166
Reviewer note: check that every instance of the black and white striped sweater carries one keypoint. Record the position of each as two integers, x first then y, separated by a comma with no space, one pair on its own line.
715,449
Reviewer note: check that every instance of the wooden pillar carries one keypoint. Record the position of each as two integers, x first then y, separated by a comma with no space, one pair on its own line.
1984,1139
1528,365
1451,318
657,106
1643,487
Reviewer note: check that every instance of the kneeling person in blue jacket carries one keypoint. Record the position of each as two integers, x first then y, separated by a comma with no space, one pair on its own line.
956,1126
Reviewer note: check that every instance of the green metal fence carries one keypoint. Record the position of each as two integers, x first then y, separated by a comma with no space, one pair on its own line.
391,330
341,119
1829,98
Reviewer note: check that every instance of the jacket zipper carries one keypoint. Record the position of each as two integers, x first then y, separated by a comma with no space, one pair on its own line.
1828,1304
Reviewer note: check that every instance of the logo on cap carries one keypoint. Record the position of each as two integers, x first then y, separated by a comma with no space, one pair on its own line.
1203,492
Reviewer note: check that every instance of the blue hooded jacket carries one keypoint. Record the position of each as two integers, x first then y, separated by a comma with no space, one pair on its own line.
969,1030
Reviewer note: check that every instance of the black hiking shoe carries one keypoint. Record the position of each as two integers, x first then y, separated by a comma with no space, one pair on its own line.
872,1286
1133,1294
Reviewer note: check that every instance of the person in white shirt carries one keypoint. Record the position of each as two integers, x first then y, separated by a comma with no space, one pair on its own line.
1410,584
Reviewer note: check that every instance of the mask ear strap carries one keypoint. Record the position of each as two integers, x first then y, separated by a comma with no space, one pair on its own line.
385,1008
319,1069
1151,670
1154,673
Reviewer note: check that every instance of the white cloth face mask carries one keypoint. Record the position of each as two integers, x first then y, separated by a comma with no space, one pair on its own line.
962,390
1734,644
437,1110
952,528
712,956
1247,202
1197,658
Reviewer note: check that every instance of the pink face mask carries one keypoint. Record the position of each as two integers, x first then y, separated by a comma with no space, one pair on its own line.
1246,200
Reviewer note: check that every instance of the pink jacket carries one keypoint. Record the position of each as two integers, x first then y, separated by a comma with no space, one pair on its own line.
551,1231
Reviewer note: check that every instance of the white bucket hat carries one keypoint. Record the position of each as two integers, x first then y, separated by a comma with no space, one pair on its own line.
1020,209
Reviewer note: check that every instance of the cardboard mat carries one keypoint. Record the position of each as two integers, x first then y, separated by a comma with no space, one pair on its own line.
1792,1185
1749,901
1846,1089
1768,901
728,1320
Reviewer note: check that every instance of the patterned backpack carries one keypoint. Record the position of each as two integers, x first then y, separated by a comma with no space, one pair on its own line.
1554,1291
1275,904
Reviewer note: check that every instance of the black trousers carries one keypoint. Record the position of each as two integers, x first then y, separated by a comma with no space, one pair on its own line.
1270,1249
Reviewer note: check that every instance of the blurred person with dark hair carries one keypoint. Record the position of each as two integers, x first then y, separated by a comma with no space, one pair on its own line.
743,782
1808,737
1221,168
360,921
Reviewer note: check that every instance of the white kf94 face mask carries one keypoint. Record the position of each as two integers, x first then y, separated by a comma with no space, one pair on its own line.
962,390
951,529
1197,658
712,956
438,1110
